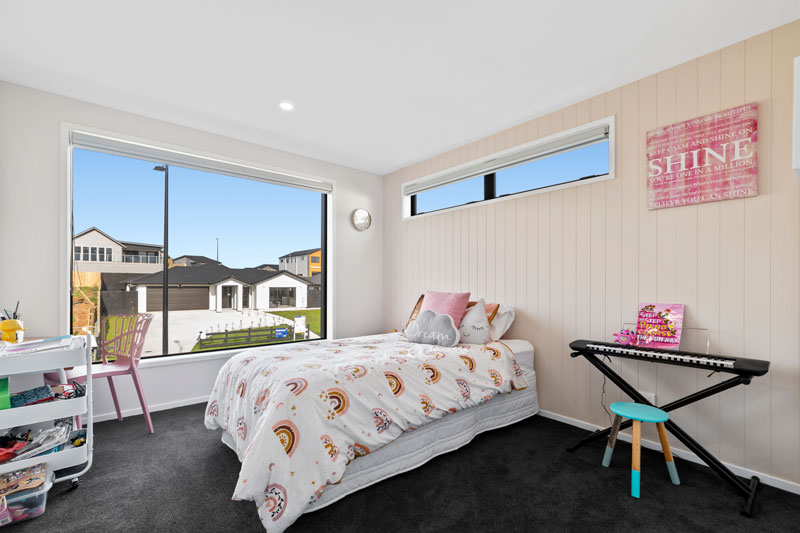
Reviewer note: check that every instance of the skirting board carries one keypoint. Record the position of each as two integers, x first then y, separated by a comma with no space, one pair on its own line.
789,486
153,408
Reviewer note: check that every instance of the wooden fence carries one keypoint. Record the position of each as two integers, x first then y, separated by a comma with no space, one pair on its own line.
245,337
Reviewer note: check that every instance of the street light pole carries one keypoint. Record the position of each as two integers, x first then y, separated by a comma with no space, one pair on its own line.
165,265
217,249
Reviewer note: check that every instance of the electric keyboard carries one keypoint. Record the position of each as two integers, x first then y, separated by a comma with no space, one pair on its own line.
722,363
744,371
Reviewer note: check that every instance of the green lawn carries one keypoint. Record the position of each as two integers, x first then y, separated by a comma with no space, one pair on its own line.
312,317
238,339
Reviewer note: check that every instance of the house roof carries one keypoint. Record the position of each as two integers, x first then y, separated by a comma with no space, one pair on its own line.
211,274
197,259
270,265
141,245
103,233
124,244
301,252
316,279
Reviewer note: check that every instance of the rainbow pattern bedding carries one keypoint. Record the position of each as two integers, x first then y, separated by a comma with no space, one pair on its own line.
298,414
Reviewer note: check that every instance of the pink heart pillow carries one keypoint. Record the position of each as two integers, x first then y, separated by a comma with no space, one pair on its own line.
448,303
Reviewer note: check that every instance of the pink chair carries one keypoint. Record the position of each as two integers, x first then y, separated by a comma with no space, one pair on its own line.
121,337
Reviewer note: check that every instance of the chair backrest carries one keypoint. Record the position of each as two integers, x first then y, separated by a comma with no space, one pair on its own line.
122,337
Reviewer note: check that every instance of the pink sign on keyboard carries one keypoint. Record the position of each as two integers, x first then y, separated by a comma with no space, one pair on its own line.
705,159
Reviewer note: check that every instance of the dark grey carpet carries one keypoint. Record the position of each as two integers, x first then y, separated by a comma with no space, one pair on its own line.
517,478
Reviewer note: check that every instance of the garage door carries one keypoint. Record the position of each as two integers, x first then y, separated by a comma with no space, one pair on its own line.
180,298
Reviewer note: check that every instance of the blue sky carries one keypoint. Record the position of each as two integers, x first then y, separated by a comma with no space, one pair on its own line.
567,166
256,222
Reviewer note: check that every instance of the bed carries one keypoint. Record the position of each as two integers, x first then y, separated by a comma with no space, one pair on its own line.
285,411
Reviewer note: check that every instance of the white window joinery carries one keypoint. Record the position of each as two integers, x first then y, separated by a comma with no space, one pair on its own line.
576,156
110,145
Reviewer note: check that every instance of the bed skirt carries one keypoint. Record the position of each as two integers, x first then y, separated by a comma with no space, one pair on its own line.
415,448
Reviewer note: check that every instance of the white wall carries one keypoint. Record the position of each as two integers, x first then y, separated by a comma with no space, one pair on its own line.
32,207
262,291
141,298
577,262
212,297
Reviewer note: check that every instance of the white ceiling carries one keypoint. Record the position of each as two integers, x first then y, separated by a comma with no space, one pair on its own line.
376,85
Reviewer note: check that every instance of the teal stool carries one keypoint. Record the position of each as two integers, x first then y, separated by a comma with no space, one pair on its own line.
639,412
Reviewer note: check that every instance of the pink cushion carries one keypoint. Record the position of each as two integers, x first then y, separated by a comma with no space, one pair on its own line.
448,303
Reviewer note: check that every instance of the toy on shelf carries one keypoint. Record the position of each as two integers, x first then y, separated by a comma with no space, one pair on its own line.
625,337
12,331
11,326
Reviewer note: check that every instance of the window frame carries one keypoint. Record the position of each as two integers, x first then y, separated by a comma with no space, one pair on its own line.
484,166
207,162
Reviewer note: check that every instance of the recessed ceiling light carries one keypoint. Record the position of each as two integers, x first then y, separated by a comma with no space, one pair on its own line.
286,106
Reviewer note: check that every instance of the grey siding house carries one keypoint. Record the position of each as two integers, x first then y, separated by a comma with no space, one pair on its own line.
95,251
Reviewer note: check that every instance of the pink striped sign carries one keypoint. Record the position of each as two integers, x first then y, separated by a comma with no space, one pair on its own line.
705,159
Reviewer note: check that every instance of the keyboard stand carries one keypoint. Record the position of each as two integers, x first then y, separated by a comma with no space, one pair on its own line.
747,489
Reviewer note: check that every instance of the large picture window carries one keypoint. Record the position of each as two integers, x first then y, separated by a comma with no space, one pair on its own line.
196,248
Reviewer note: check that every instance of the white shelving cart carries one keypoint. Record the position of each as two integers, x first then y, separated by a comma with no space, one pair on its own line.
78,353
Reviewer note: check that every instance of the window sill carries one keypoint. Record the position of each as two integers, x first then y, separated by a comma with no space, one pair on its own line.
188,358
153,362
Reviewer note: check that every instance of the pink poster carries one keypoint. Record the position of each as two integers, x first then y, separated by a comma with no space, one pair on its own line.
705,159
659,326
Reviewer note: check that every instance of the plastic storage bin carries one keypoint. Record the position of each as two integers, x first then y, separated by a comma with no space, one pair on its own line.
26,504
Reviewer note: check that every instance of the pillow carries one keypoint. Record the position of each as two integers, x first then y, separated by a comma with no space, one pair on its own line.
474,328
491,310
414,312
449,303
433,328
502,321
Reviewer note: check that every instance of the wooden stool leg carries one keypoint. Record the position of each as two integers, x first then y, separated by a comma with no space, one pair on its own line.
662,435
636,458
612,440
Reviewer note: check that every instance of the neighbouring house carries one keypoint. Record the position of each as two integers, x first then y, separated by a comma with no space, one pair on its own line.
193,260
99,263
304,263
96,251
268,266
216,287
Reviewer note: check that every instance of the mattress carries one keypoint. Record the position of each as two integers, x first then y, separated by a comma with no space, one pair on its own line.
414,448
523,353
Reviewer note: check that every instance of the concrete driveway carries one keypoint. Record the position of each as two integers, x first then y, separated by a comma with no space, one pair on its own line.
185,326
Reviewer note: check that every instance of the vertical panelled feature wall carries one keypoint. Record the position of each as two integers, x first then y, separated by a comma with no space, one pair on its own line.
576,262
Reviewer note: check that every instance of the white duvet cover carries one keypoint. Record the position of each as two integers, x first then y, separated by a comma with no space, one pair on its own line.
300,413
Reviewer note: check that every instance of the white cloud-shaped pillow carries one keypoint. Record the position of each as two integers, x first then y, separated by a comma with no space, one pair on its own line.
474,327
432,328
